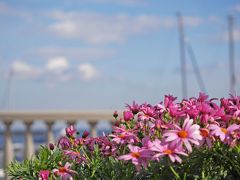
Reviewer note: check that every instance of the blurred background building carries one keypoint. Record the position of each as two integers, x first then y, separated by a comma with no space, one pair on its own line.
88,55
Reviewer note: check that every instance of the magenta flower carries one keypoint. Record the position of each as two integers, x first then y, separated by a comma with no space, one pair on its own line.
167,149
64,172
106,147
202,97
75,155
186,135
134,108
139,156
44,174
169,100
127,115
225,134
70,131
85,134
64,143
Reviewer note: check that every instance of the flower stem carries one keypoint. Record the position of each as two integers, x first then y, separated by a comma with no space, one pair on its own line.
175,173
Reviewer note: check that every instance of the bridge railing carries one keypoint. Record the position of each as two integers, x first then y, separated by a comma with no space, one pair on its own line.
49,118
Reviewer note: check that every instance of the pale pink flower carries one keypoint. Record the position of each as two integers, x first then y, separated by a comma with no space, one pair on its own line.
123,136
138,156
186,135
75,155
64,172
167,149
206,137
225,134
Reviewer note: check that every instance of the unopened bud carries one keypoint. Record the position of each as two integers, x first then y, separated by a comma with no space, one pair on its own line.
127,115
85,134
115,114
117,123
51,146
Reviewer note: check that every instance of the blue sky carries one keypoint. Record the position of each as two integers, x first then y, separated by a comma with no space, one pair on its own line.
101,54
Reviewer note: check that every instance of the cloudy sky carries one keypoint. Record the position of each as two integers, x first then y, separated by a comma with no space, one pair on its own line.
101,54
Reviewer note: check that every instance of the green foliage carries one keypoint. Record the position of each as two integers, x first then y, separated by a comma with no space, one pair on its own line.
29,169
219,162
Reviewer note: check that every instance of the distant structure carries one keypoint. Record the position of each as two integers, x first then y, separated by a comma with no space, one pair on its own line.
231,54
182,55
196,68
183,47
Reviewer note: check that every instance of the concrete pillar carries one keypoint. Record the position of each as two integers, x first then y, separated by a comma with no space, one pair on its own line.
93,128
50,137
8,148
29,145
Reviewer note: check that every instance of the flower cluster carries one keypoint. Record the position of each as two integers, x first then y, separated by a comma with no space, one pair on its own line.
173,129
168,132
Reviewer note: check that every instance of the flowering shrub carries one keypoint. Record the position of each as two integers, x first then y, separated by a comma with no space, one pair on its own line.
196,138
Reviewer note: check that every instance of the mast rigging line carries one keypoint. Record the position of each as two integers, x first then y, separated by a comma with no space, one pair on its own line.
196,68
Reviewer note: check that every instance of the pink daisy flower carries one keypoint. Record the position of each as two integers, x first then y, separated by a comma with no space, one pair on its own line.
139,156
64,172
224,133
206,137
134,108
186,135
167,149
123,136
76,156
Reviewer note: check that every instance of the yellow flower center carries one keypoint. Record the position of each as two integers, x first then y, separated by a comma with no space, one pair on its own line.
135,154
204,132
62,170
122,136
224,130
182,134
168,151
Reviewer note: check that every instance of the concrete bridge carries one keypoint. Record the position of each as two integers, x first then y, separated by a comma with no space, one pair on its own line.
49,118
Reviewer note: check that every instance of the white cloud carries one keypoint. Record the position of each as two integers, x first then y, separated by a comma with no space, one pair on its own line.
225,36
88,71
57,65
101,28
236,8
24,70
236,35
192,21
12,11
79,54
123,2
118,2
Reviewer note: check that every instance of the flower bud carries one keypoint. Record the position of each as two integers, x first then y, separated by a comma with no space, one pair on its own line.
115,114
51,146
127,115
85,134
117,123
70,131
